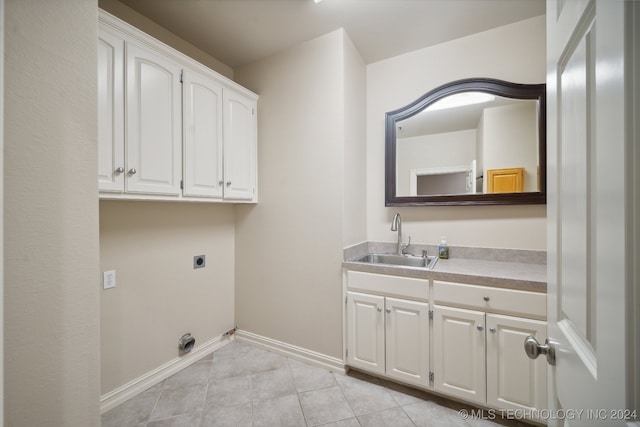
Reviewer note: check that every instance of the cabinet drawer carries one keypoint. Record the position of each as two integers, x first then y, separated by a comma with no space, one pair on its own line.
495,300
407,287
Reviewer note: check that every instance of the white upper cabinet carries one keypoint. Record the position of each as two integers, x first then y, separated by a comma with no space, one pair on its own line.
239,146
110,112
203,167
170,128
154,123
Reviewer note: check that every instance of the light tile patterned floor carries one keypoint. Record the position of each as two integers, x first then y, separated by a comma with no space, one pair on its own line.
242,385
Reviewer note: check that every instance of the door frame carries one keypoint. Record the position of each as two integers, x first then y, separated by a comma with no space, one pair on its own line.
629,248
632,16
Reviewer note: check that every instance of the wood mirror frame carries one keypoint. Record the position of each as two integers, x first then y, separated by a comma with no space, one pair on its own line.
487,85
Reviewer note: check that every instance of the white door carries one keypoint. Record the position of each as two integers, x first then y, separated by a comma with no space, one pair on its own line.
407,340
154,123
459,353
513,380
587,214
110,112
365,331
202,98
239,146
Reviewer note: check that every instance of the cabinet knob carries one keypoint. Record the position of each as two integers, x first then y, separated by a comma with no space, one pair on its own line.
379,309
480,327
486,298
132,171
388,310
492,330
120,169
220,183
228,183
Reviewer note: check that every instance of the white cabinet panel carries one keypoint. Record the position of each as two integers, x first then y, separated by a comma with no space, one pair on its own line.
407,340
486,298
203,170
365,331
239,146
154,123
170,128
513,380
459,353
110,112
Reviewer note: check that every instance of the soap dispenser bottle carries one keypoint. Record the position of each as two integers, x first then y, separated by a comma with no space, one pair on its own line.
443,249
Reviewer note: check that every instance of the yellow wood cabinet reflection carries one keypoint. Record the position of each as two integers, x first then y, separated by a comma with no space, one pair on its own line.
508,180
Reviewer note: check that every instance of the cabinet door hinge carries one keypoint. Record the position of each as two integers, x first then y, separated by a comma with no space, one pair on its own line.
182,185
346,353
345,300
253,111
431,376
182,76
430,314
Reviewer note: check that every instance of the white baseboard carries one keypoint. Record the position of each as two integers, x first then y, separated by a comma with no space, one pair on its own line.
308,356
115,397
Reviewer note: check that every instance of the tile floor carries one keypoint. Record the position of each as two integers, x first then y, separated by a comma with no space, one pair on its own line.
243,385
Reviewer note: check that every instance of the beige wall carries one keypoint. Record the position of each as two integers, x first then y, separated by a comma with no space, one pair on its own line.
515,52
511,140
145,24
52,334
289,246
417,152
354,226
159,296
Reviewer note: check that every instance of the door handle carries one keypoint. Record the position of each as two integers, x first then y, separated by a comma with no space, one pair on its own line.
534,349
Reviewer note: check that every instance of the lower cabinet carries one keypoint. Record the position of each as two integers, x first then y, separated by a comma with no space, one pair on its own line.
513,380
468,343
459,363
389,336
479,357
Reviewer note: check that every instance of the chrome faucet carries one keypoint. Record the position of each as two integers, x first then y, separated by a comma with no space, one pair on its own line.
396,225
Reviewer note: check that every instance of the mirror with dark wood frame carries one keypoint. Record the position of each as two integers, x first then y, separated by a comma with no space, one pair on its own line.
476,141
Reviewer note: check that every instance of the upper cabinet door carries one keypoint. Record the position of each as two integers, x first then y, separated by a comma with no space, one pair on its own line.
110,112
203,173
154,123
239,146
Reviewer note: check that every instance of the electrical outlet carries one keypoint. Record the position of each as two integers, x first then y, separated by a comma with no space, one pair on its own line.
109,279
198,261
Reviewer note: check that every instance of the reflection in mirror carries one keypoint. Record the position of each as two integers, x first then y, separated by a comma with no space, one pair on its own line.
450,146
474,141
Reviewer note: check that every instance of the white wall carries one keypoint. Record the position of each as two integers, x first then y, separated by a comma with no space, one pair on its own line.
289,246
514,52
51,292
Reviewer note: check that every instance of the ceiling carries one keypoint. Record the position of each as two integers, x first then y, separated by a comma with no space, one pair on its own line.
239,32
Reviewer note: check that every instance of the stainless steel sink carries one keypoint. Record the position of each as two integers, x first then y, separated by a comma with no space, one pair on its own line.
427,262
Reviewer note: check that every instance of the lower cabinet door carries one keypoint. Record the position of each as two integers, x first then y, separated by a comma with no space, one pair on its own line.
407,340
365,332
513,380
459,353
